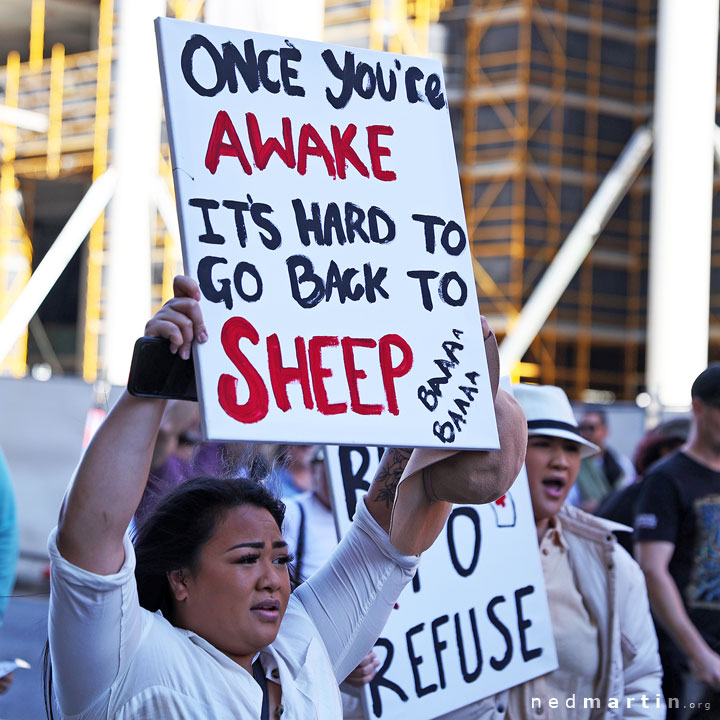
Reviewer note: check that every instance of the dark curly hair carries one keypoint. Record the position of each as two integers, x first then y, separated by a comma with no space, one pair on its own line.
660,441
172,536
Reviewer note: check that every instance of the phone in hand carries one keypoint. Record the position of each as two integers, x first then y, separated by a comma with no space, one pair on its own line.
156,372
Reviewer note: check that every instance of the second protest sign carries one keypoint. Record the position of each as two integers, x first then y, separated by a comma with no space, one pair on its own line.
474,621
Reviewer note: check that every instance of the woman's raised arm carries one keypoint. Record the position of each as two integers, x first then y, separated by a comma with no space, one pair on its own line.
109,482
435,478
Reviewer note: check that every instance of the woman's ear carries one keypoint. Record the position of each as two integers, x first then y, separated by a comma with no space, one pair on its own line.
178,584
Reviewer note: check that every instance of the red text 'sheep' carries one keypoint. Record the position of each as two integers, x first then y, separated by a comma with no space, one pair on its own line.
308,371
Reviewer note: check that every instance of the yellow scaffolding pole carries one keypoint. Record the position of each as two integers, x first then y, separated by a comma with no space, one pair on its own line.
186,9
403,26
170,266
15,246
9,138
55,110
525,370
377,19
398,23
96,243
37,34
421,25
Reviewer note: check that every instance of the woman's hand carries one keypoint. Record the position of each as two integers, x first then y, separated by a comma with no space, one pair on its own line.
365,671
180,319
486,329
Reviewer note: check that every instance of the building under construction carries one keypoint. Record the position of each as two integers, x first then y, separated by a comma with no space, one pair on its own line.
544,96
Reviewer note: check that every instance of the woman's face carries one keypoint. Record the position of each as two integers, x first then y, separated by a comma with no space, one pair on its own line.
238,593
552,465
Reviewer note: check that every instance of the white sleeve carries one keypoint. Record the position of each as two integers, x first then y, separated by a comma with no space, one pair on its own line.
350,598
94,627
642,673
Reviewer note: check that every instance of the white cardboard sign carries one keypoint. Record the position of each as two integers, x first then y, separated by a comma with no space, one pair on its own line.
320,211
474,621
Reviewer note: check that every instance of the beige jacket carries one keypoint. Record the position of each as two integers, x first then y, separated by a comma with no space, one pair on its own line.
613,587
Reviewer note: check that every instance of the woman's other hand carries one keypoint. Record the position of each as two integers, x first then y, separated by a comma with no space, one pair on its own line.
111,477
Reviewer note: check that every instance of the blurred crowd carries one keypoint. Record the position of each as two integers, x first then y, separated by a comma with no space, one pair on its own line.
665,503
662,506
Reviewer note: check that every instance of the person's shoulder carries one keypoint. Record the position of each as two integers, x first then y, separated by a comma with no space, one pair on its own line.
669,468
601,531
660,486
624,462
620,505
678,476
5,481
292,512
662,499
300,500
316,506
574,519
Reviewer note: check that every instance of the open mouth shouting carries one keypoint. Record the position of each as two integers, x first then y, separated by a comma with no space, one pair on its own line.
554,486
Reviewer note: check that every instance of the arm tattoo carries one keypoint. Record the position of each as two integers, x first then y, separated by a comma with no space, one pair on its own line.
389,474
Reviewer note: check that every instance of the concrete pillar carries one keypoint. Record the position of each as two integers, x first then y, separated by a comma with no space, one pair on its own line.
135,147
682,189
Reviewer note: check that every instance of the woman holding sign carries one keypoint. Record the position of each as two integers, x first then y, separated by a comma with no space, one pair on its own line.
196,620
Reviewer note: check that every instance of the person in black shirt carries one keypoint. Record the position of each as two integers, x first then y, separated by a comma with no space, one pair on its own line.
677,544
657,444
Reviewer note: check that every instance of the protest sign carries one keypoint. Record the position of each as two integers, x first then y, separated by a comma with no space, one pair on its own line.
320,212
475,619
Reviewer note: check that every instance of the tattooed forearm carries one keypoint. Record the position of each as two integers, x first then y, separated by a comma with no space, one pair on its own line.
389,473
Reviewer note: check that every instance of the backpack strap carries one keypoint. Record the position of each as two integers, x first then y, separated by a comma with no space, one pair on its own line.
299,546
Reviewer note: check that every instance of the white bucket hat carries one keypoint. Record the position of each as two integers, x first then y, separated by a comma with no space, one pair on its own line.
548,412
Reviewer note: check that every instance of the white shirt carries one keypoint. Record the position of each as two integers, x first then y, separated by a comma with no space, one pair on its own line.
576,640
319,530
113,659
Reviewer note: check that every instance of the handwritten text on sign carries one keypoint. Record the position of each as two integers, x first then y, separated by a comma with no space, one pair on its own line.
475,619
321,214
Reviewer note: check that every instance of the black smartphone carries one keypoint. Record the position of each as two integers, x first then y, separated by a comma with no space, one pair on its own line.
156,372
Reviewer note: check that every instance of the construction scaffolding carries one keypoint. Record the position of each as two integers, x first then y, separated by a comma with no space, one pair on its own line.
544,95
554,90
58,118
398,26
63,126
